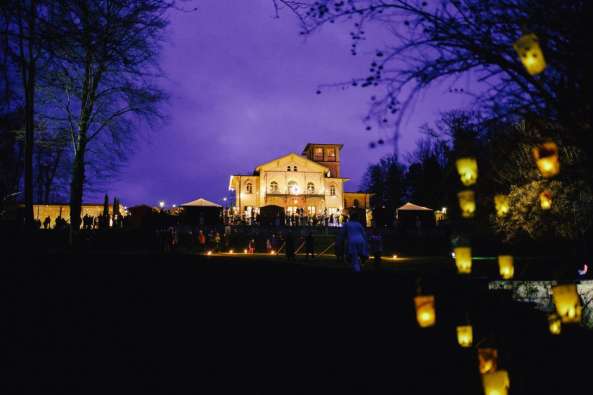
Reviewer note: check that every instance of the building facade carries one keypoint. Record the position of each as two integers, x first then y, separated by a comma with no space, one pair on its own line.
309,183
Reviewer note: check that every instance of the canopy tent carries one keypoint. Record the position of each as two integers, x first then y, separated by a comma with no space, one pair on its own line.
413,207
200,203
413,215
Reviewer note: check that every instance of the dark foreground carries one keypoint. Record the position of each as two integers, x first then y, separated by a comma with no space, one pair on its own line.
188,325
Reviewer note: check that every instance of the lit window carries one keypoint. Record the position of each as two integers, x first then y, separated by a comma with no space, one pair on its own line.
293,188
249,187
311,210
332,190
310,188
318,153
273,186
331,154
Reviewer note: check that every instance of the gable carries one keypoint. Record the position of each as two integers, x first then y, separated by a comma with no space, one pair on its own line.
292,159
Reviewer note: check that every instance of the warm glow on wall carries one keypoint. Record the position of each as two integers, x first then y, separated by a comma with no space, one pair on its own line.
554,324
506,266
468,170
546,159
496,383
567,302
530,53
425,312
465,335
501,203
488,360
467,203
545,200
463,259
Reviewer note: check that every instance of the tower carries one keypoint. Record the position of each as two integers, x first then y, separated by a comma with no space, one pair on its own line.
327,155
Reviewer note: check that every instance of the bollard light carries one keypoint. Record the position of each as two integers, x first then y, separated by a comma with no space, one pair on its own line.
554,324
465,335
506,266
546,159
545,200
488,360
468,170
425,312
463,259
496,383
567,302
467,203
501,203
530,53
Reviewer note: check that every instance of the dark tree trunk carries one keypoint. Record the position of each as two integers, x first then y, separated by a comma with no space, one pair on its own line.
76,186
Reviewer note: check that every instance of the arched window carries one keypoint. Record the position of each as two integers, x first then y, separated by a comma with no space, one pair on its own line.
287,168
249,187
356,203
332,190
310,188
293,188
273,186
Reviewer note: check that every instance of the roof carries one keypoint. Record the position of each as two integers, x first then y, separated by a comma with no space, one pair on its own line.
413,207
200,203
299,157
310,144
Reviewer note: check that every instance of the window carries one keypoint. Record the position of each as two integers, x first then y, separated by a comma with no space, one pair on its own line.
331,154
273,186
293,187
294,168
291,210
332,190
310,188
287,168
318,154
311,210
249,187
356,203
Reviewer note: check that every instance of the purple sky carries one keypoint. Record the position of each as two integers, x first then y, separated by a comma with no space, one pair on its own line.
242,87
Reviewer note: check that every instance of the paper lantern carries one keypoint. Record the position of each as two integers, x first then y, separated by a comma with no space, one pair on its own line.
554,324
567,302
501,203
467,203
488,359
496,383
545,200
425,313
465,335
530,53
463,259
506,266
546,159
468,170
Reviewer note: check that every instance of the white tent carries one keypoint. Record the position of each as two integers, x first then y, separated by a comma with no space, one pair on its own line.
200,203
413,207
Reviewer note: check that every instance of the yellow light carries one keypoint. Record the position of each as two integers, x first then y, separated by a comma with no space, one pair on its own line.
545,200
468,170
488,360
506,266
567,302
245,251
467,203
496,383
530,53
465,335
425,313
554,324
546,159
272,252
394,256
501,203
231,251
209,253
463,259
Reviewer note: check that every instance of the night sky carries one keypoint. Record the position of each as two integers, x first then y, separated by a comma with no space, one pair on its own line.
242,88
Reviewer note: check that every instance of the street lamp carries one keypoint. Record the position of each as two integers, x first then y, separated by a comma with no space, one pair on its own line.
162,204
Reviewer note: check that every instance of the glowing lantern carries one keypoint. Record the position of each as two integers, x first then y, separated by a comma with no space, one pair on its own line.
546,159
488,359
530,53
501,203
463,259
465,335
555,324
568,303
467,203
496,383
425,313
468,170
545,200
506,266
